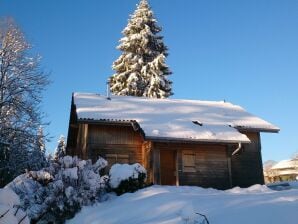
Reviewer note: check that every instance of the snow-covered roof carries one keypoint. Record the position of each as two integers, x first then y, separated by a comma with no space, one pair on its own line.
286,164
173,118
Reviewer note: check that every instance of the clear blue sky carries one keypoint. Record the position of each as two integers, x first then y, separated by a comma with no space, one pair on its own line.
245,52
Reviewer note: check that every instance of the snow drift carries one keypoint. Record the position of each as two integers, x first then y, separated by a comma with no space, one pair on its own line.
178,205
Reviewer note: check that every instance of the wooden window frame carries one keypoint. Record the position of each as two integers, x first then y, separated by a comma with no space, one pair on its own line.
118,157
188,166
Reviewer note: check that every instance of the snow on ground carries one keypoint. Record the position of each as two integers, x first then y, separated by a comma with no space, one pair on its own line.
9,213
176,205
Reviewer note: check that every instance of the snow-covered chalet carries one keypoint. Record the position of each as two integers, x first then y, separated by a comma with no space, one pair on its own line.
179,142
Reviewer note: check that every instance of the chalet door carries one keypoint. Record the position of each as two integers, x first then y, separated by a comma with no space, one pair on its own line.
168,167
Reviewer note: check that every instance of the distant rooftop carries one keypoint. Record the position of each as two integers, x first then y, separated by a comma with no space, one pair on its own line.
286,164
173,118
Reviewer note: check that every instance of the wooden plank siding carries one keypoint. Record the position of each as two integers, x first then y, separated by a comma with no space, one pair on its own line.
247,165
81,144
106,140
211,164
148,160
73,129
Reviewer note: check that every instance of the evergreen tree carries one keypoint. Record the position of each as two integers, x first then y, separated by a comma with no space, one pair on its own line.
60,151
37,156
141,69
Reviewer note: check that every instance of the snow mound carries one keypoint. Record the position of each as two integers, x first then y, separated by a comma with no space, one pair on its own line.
8,197
120,172
9,211
178,205
188,214
257,188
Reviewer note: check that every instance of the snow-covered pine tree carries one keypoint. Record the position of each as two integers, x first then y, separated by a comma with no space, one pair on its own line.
37,156
60,151
141,69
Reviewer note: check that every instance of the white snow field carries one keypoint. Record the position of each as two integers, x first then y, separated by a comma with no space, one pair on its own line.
177,205
9,212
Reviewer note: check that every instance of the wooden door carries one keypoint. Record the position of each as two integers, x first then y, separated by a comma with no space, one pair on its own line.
168,167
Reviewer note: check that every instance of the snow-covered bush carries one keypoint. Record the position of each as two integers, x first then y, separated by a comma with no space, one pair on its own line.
57,192
127,178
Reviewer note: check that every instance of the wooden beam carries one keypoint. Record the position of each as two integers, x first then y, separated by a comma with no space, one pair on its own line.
229,152
156,166
177,171
84,141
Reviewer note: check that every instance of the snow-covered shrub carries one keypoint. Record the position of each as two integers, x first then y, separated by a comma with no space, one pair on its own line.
127,178
57,192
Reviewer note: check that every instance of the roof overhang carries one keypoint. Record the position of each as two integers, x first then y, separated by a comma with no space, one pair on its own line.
246,129
136,127
184,140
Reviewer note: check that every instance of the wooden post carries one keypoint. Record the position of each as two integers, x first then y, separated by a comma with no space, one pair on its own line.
229,166
260,158
84,142
177,168
156,166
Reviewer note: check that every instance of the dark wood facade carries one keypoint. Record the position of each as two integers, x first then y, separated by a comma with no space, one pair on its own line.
169,162
247,166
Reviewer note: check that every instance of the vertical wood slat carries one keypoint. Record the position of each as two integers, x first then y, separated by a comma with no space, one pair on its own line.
108,134
211,164
156,166
115,139
147,160
247,166
229,154
78,142
85,141
177,167
168,167
81,146
214,167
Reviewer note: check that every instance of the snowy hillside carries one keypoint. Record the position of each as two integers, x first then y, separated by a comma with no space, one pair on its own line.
177,205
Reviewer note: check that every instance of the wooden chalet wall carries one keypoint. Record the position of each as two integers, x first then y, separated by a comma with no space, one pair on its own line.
211,167
247,166
148,160
114,140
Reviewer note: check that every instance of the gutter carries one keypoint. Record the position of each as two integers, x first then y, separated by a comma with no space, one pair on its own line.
237,150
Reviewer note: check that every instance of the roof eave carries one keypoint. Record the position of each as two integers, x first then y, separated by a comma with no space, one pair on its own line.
188,140
268,130
105,121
